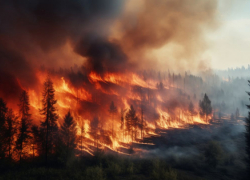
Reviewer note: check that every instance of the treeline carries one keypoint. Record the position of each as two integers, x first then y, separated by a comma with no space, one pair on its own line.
21,139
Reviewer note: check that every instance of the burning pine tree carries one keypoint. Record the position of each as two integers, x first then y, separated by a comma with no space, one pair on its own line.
49,127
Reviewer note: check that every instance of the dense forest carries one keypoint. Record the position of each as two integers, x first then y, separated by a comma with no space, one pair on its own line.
124,89
55,148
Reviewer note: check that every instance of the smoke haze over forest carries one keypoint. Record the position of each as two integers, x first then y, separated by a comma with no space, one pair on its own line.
141,79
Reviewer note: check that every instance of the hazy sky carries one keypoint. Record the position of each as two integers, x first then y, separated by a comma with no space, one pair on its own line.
230,43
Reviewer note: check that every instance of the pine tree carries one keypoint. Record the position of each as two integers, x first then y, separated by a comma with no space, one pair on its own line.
237,114
67,141
49,126
205,107
122,121
94,126
131,120
10,131
82,132
3,111
112,111
191,109
247,137
68,132
232,117
220,115
24,129
36,140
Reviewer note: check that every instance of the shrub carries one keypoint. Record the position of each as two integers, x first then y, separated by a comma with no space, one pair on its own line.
213,153
94,173
113,169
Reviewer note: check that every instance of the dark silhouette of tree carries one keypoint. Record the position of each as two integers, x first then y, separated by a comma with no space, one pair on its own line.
142,111
37,140
10,131
232,117
112,111
194,96
131,120
49,126
67,141
219,115
122,121
237,114
247,137
3,111
82,132
94,127
68,132
191,109
81,124
160,86
205,107
24,129
213,153
142,122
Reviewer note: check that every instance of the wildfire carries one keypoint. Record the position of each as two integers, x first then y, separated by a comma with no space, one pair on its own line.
92,99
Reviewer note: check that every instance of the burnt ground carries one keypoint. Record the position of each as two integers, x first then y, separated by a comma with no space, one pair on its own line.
185,149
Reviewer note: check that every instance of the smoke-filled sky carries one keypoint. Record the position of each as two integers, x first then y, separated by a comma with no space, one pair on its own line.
230,43
122,35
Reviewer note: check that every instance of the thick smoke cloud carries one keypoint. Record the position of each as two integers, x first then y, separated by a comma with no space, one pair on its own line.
102,55
102,35
36,32
168,30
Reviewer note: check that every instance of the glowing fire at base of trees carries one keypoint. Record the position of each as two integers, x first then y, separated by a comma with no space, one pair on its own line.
108,112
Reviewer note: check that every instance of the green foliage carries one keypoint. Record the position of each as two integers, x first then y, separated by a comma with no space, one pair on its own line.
161,172
213,153
114,169
94,173
130,168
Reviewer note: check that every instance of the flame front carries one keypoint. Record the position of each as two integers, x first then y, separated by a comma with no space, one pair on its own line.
156,104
